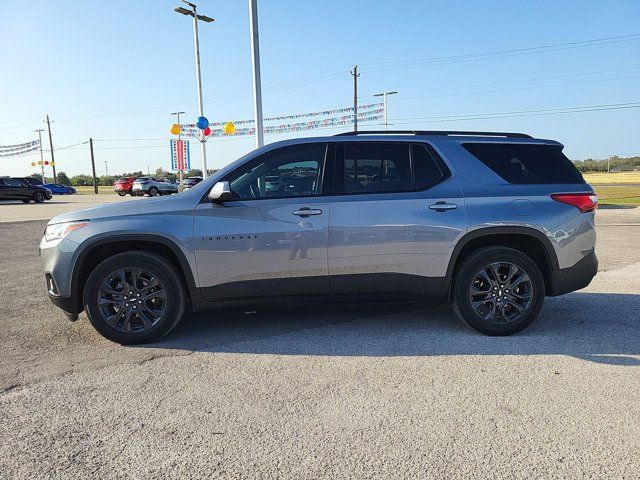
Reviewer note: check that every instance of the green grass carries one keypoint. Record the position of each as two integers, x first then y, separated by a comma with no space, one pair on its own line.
622,195
88,190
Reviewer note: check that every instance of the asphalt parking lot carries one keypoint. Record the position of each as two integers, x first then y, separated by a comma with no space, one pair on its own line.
329,391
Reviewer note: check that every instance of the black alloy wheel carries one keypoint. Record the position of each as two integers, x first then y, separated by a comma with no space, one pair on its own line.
498,290
135,297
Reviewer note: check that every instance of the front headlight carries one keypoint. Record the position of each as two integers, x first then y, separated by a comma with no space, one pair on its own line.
58,231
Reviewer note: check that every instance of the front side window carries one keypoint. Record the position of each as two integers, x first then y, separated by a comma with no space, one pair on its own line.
294,171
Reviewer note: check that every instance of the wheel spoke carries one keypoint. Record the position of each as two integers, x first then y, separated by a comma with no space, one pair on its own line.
159,294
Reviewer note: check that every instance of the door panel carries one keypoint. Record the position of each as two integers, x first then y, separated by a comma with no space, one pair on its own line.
259,248
387,242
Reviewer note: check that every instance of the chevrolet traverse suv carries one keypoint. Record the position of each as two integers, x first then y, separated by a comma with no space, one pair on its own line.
492,222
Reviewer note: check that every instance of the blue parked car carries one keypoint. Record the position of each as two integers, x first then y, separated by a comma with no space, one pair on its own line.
60,189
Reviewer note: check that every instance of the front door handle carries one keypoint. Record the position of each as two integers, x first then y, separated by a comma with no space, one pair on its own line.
305,212
442,206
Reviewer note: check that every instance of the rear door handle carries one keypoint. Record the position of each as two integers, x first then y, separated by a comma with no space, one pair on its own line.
307,212
442,206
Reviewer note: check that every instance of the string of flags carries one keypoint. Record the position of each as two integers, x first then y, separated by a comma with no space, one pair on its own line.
301,115
193,130
19,148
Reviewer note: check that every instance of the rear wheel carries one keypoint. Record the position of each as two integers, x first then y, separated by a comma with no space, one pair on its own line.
38,197
498,291
134,297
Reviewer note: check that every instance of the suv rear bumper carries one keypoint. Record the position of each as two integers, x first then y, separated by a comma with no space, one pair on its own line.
574,278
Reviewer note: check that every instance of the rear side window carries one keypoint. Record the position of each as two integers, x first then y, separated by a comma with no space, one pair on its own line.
376,167
526,163
384,167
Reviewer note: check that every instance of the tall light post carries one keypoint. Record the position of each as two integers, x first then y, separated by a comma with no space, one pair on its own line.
177,114
384,96
196,45
255,67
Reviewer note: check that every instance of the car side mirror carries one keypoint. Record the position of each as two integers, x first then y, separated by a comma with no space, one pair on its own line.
220,192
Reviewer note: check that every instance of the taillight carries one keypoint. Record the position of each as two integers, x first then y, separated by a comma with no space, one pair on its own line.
585,202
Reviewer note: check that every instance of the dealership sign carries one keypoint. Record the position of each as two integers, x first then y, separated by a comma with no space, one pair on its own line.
180,155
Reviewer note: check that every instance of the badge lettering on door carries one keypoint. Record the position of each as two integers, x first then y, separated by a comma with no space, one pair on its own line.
230,237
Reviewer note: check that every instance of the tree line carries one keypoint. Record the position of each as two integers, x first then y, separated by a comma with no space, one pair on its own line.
602,165
109,180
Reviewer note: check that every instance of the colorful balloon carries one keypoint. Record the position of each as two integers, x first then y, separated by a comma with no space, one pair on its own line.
33,164
175,129
52,164
229,128
207,132
202,123
46,162
39,162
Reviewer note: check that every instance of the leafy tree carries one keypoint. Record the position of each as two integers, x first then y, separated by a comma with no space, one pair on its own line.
63,179
82,180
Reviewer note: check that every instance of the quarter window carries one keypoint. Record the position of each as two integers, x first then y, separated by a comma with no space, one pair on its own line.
294,171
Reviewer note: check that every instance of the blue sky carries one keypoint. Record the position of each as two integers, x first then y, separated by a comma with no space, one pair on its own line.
115,70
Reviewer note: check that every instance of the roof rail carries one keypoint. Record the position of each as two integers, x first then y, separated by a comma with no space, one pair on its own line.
451,133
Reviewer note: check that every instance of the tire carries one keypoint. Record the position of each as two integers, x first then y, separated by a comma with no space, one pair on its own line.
70,191
523,301
25,200
38,197
122,194
153,191
100,305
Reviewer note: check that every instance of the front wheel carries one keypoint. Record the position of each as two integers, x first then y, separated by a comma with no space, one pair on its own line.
153,191
121,193
498,291
38,197
70,191
134,297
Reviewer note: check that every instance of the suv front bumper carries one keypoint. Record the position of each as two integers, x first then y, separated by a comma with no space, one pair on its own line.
574,278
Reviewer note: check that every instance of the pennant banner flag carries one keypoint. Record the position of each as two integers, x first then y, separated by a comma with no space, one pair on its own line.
294,127
19,149
361,108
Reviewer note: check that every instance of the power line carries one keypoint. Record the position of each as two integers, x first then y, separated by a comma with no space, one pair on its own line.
522,113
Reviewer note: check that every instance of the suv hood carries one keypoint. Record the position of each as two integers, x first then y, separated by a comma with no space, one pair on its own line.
185,201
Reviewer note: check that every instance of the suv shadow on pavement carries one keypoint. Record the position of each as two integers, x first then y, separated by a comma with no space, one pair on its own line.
592,326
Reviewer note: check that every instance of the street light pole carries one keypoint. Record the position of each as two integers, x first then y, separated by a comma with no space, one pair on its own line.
40,130
384,96
177,114
196,45
255,66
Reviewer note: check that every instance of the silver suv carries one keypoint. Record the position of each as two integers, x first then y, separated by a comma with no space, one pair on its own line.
492,222
153,186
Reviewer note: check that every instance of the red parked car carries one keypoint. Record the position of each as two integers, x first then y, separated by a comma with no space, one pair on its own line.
123,186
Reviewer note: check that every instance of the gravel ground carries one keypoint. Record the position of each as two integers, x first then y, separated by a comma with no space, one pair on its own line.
325,391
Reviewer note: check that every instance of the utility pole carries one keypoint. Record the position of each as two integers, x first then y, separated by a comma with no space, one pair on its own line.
177,114
355,74
255,66
40,130
53,163
196,45
106,171
384,96
93,167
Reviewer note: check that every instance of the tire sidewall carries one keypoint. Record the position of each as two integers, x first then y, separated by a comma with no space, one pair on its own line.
153,191
472,265
168,276
38,197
